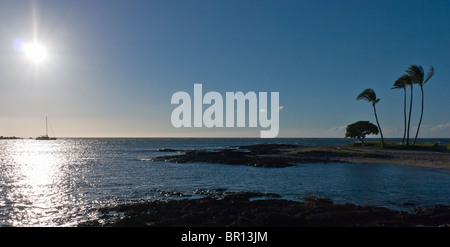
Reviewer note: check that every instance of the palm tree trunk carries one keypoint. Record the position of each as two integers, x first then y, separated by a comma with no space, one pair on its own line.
404,115
376,118
421,115
409,119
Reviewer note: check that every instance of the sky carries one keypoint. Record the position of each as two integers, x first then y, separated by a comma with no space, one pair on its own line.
112,66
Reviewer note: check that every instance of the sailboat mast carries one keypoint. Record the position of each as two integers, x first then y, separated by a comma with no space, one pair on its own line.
46,125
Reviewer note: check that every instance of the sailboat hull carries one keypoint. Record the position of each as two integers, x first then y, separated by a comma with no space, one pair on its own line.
45,138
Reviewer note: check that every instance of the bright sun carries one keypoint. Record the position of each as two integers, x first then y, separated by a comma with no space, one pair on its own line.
35,52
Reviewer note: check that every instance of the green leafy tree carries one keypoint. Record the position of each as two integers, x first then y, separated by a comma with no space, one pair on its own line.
370,96
360,130
418,77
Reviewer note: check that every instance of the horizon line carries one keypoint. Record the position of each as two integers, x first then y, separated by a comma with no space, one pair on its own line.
210,137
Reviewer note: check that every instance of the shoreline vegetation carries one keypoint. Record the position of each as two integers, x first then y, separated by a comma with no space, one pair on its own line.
413,75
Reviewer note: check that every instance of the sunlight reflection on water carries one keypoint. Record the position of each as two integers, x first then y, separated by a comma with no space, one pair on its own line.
61,182
36,183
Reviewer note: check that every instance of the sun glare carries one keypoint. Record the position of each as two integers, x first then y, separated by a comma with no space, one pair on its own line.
35,52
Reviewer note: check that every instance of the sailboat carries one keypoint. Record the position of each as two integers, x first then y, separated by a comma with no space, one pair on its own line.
45,137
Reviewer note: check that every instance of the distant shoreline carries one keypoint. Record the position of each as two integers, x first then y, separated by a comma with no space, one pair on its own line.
284,155
9,138
255,138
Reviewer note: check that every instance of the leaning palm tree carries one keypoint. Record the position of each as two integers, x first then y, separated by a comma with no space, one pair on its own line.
410,110
402,83
418,77
370,96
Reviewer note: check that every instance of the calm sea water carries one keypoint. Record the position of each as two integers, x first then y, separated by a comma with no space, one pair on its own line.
59,183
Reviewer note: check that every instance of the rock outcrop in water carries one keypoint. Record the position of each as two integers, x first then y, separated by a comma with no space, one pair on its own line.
284,155
264,155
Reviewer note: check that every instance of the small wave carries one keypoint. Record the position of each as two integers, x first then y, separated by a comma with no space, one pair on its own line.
171,193
144,151
144,159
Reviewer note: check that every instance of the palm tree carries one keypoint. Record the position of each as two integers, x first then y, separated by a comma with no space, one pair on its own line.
410,110
418,77
402,83
370,96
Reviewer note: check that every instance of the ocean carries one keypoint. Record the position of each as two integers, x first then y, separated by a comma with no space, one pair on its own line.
62,182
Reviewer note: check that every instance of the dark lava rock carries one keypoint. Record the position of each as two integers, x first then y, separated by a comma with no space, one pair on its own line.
252,158
228,156
239,211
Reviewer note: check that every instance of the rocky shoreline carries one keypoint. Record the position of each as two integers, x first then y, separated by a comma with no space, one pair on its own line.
285,155
268,156
240,209
237,209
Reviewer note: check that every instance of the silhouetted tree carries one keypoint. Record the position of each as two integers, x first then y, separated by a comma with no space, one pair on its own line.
370,96
360,129
410,110
402,83
418,77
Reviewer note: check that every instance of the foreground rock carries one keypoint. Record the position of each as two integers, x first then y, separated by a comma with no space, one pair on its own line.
237,211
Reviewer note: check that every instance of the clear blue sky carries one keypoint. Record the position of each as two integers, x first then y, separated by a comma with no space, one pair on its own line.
113,66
